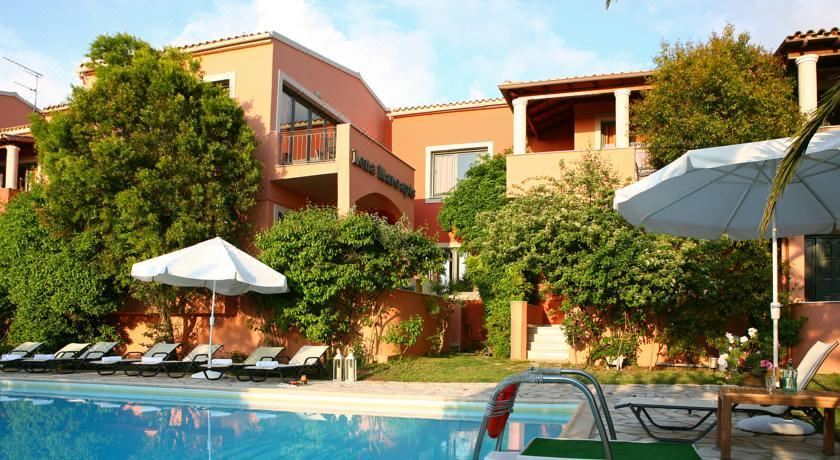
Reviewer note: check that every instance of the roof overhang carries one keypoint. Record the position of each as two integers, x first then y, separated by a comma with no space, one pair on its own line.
823,42
574,85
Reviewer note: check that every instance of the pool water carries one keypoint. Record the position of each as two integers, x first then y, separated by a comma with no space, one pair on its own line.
44,427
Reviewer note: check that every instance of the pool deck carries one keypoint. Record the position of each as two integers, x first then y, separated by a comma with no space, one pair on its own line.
421,399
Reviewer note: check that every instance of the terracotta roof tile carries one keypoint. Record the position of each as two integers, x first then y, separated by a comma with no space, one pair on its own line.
577,77
19,129
220,40
447,105
822,33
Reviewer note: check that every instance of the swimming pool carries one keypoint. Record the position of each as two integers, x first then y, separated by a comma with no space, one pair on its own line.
39,426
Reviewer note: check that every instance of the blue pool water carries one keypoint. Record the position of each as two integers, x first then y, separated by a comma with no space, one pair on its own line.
47,427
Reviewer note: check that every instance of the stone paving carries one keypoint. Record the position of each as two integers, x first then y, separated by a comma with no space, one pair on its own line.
744,445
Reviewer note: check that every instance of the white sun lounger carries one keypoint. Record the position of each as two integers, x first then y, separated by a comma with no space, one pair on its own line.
308,357
11,361
809,366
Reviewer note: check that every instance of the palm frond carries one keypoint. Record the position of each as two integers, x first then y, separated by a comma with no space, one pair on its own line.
787,168
608,3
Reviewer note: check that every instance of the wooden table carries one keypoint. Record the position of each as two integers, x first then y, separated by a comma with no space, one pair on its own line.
731,396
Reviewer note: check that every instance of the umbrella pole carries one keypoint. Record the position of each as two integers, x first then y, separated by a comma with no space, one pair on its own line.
212,322
775,307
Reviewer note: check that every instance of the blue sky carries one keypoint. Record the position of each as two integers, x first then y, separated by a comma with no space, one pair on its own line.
409,51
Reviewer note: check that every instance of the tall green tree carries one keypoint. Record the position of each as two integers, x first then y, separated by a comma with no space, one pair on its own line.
720,92
51,292
338,267
482,189
146,160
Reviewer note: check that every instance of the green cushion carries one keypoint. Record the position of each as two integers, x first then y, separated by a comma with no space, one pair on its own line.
624,450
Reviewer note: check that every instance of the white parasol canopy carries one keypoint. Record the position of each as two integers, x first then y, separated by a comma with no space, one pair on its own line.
707,193
214,264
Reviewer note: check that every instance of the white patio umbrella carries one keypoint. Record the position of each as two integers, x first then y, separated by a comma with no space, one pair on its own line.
707,193
214,264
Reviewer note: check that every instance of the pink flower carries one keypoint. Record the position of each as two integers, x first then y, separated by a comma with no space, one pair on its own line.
766,364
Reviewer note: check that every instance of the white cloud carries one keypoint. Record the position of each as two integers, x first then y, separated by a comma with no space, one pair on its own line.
53,88
397,64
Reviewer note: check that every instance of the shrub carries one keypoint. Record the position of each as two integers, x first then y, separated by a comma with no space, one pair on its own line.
405,333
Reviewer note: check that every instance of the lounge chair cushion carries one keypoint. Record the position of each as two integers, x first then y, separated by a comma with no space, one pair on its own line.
10,357
149,360
221,361
768,424
43,357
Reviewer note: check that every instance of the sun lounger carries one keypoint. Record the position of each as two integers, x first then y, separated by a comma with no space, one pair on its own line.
261,354
640,407
308,358
503,400
41,363
11,361
152,366
109,365
95,352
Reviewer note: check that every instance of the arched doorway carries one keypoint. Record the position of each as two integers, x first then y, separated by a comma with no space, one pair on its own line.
379,205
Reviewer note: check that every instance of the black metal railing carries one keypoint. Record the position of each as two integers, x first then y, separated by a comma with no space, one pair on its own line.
307,147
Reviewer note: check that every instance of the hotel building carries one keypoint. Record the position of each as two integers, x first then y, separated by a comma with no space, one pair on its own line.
326,138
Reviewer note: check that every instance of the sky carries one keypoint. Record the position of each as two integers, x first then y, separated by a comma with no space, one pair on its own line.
409,51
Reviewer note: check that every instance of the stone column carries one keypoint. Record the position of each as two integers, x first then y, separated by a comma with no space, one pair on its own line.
344,200
622,118
520,120
12,159
806,67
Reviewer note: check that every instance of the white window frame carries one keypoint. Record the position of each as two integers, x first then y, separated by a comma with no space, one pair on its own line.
230,76
601,120
431,150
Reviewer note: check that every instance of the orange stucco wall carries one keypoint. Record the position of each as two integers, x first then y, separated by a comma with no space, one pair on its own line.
363,184
823,321
411,134
527,169
13,111
587,115
239,321
342,91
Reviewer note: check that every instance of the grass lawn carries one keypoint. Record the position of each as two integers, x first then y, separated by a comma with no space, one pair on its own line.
474,368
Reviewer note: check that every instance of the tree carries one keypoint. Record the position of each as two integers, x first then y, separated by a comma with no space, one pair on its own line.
724,91
619,284
338,267
147,160
482,189
54,295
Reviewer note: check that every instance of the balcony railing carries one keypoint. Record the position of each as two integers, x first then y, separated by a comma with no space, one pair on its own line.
311,147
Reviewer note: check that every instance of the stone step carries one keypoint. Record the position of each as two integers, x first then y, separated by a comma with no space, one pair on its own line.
556,339
557,356
547,330
549,346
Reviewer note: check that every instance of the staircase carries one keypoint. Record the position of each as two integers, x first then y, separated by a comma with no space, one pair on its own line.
547,343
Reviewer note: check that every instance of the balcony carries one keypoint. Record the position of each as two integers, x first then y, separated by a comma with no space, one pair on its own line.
307,147
528,169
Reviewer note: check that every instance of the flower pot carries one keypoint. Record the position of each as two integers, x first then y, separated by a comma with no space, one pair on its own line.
752,380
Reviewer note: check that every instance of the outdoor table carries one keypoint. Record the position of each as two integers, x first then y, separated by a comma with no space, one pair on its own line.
728,397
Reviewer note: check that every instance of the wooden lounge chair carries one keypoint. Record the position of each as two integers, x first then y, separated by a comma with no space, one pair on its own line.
807,368
150,367
11,361
95,352
110,365
41,363
264,354
308,358
502,402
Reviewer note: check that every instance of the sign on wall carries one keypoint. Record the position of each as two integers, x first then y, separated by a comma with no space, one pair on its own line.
382,174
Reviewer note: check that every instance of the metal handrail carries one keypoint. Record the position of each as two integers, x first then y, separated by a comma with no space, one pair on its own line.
539,376
307,147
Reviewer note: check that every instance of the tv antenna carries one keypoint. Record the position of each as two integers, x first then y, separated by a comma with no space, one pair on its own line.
37,75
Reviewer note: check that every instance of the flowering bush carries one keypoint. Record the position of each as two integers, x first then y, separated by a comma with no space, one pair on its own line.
743,354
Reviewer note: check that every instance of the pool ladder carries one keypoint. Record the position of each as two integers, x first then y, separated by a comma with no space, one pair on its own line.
497,407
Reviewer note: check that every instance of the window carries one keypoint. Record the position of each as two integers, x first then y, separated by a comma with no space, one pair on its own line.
279,212
225,80
306,133
454,267
449,167
822,268
607,133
